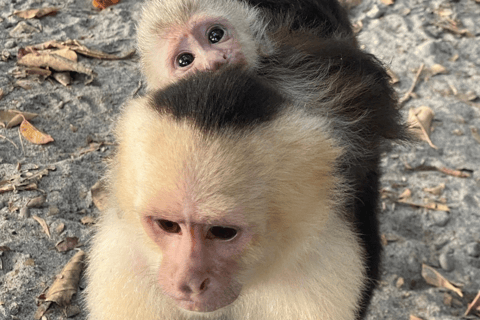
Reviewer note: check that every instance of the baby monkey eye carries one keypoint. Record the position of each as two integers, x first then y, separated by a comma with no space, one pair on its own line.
185,59
216,34
221,233
169,226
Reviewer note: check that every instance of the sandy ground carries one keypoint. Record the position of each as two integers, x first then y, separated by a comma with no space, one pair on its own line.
79,117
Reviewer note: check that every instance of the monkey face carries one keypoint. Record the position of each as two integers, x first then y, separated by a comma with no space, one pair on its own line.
203,43
200,248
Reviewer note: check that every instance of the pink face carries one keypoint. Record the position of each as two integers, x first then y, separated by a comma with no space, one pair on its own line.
202,44
199,254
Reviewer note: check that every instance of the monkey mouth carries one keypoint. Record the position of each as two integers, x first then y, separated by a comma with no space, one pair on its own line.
200,304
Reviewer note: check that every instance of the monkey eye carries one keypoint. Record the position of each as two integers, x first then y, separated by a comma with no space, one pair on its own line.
169,226
215,34
185,59
221,233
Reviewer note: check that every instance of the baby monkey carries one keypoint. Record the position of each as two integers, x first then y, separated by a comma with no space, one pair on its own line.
176,38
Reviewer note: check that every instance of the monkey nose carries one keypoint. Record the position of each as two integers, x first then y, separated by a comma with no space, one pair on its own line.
195,286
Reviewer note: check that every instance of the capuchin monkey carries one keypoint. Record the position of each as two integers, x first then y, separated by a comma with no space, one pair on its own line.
232,199
178,37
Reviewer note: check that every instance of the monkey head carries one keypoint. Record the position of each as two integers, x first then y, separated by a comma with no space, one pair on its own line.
182,37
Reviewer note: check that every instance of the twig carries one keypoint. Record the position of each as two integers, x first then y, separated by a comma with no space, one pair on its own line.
408,94
9,141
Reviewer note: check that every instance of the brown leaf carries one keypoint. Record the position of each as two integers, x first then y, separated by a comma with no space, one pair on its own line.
434,278
2,93
453,172
67,53
474,305
475,134
436,190
54,61
14,118
43,224
420,121
36,202
393,77
412,317
405,195
4,248
63,78
41,310
100,195
67,244
87,220
36,13
59,229
430,205
33,135
387,2
102,4
66,283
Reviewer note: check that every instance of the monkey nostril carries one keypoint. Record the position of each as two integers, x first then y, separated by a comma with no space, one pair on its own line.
204,285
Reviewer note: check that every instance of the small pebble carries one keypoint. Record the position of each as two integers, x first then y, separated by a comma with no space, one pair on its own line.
24,213
10,44
440,218
473,249
447,262
53,210
375,12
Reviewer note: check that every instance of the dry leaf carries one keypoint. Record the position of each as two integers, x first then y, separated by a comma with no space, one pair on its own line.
1,93
14,118
66,53
23,180
102,4
36,202
453,172
43,224
41,310
405,195
100,195
430,205
437,69
29,262
63,78
400,282
387,2
67,244
4,248
420,121
66,283
474,305
475,134
76,46
412,317
436,190
434,278
59,229
87,220
33,135
393,77
54,61
36,13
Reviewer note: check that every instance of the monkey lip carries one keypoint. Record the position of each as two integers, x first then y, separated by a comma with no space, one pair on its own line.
199,305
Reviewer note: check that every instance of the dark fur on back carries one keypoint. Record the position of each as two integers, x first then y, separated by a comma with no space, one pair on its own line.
351,88
231,98
325,16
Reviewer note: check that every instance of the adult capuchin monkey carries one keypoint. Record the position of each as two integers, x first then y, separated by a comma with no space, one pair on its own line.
178,37
231,200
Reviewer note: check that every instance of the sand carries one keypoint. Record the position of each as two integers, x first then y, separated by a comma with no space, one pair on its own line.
80,117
